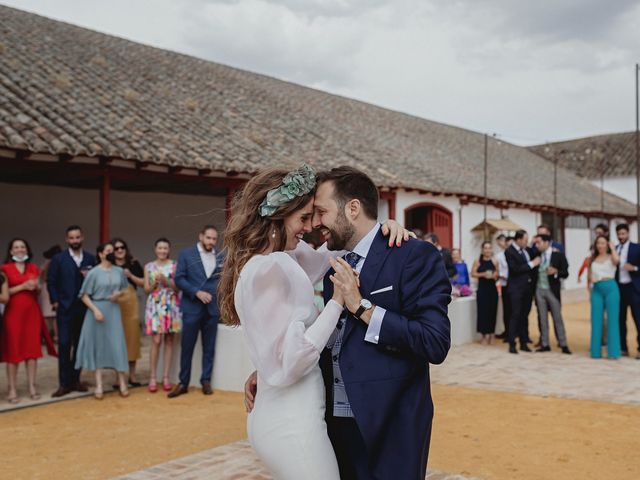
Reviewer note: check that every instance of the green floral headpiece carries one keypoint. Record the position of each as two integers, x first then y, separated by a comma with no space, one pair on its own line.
294,184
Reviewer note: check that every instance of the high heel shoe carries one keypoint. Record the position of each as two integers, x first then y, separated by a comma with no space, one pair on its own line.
124,393
153,386
98,394
166,384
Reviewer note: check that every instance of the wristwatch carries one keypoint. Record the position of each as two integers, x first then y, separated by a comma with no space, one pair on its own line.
364,306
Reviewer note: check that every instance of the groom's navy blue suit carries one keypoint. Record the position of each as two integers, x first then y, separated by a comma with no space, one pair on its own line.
387,383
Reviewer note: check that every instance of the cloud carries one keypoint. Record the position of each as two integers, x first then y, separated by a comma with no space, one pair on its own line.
532,71
318,8
268,37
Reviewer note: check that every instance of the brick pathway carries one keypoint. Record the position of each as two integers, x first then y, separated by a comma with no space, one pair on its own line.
544,374
235,461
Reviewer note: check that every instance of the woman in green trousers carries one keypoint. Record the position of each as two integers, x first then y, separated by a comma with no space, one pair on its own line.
605,296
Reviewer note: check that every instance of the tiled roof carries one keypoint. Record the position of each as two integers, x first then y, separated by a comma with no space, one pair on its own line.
69,90
612,155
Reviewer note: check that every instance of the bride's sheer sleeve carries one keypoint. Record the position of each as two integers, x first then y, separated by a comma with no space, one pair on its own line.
282,349
314,262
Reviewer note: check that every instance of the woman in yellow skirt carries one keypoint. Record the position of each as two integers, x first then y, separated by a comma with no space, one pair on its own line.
129,305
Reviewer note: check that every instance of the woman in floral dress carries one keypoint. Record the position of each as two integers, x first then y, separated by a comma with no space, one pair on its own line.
162,315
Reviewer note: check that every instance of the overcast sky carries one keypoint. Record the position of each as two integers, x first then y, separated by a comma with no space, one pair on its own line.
530,71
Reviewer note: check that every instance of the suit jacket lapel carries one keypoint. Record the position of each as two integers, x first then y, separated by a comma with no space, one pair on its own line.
198,260
370,271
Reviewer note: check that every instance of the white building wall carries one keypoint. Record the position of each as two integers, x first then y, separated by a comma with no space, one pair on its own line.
41,214
577,244
405,200
465,217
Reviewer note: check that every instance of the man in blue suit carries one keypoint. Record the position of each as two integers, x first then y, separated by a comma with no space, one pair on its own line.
197,275
628,278
376,367
64,280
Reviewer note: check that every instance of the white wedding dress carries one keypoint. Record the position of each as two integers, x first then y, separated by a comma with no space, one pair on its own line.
285,335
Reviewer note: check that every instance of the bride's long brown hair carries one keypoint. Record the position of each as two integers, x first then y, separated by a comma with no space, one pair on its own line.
248,234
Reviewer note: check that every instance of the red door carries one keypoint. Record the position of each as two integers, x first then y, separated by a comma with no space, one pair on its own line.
440,223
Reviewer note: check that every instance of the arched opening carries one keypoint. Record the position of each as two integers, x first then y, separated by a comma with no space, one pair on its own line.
430,217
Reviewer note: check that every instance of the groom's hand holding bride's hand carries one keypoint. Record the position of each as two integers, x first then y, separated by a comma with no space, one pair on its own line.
346,280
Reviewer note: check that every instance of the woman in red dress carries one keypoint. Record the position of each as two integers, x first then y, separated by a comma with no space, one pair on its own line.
22,322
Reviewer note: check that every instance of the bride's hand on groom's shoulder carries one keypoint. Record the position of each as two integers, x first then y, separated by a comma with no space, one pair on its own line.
396,233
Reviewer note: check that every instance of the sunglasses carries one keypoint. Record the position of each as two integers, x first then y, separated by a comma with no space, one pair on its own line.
119,247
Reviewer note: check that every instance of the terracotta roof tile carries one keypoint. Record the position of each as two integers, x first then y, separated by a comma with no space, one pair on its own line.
69,90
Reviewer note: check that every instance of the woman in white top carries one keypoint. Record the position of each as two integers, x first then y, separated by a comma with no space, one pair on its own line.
605,295
267,286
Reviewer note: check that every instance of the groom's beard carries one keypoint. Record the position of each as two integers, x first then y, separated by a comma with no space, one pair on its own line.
341,234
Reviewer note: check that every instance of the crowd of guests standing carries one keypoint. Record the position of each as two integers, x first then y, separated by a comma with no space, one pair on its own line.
520,274
523,273
91,304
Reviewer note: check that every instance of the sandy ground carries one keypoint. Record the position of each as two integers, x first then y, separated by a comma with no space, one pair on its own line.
496,435
488,434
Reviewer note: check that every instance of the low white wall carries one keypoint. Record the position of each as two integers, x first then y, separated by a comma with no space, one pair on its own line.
232,365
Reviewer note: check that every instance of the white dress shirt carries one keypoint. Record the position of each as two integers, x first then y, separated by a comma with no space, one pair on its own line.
362,249
208,259
77,258
623,252
504,268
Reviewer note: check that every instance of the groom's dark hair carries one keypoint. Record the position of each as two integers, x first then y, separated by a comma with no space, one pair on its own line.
350,183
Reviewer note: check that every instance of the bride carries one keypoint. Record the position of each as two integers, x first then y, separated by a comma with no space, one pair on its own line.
267,287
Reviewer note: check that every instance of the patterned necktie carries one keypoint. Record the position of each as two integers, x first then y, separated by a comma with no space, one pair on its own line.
352,258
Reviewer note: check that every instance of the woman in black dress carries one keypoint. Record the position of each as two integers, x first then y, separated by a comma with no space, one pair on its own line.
486,270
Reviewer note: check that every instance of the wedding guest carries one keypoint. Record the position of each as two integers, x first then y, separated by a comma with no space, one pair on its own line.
4,299
462,272
4,296
487,271
22,327
545,229
129,306
602,229
553,268
102,343
67,271
433,239
522,270
605,296
162,312
197,276
45,302
628,279
504,242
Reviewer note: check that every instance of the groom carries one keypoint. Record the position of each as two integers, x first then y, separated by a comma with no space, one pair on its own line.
376,367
